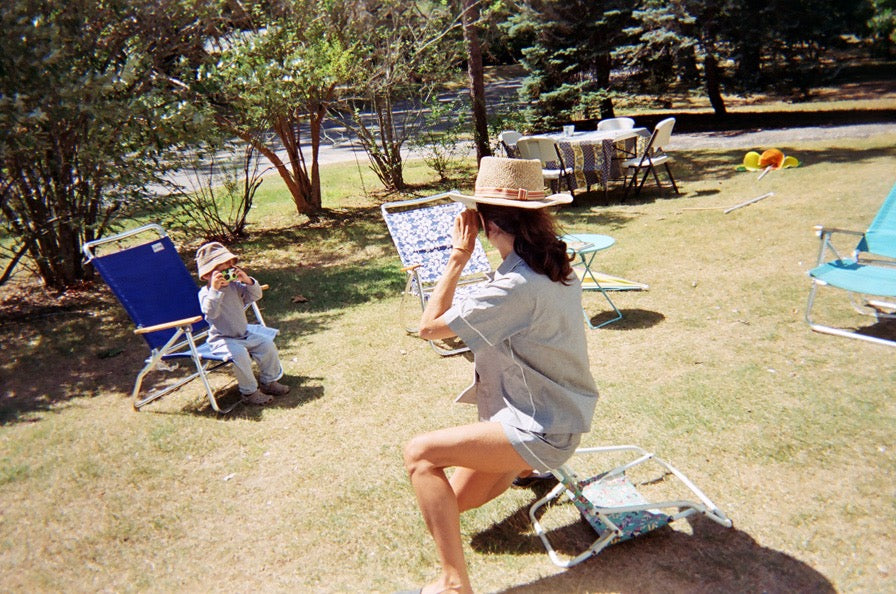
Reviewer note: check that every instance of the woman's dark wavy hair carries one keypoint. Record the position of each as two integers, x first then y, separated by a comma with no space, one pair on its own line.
535,240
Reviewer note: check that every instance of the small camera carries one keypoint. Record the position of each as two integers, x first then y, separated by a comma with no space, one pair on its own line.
229,274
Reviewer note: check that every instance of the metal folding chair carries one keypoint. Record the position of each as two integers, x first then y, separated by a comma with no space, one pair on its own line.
149,279
421,231
638,494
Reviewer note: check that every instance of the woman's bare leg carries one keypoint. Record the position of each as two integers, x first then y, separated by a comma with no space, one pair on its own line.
487,464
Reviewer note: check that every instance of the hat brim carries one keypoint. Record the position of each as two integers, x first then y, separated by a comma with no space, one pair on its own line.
471,201
210,266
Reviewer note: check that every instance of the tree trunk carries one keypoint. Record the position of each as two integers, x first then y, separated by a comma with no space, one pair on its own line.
713,85
317,111
293,176
477,84
602,72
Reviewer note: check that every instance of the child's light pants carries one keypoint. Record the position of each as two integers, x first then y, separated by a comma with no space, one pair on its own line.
242,350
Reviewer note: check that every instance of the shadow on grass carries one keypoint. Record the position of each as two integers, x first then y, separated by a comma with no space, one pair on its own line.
51,356
299,395
711,558
745,120
699,166
632,319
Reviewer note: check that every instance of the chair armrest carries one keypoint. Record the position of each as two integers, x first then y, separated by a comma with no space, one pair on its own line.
411,267
167,325
821,231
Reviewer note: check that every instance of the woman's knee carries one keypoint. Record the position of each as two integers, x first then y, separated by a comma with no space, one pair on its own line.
415,454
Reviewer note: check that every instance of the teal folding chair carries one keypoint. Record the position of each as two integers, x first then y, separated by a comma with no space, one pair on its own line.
868,275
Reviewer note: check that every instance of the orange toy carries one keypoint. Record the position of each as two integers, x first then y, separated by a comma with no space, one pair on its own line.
771,158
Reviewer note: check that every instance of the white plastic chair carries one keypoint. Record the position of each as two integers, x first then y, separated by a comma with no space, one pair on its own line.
508,140
616,124
652,156
552,166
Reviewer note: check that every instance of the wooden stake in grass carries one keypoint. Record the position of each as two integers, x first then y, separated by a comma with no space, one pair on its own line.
748,202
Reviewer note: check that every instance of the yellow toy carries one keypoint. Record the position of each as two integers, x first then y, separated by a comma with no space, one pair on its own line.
772,158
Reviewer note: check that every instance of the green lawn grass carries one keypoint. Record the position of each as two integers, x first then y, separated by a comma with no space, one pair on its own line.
789,431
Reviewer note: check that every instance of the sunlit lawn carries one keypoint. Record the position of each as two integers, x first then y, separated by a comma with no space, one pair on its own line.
789,431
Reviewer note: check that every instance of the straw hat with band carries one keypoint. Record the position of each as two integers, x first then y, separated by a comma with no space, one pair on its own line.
511,182
210,255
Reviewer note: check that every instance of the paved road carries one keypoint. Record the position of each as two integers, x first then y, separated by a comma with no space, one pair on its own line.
777,137
504,91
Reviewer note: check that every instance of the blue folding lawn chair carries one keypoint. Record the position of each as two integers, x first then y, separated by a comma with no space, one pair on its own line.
868,275
421,231
160,295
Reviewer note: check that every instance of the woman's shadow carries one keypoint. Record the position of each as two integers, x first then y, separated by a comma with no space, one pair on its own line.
706,558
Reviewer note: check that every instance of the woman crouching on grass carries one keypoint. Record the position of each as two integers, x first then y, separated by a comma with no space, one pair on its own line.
533,385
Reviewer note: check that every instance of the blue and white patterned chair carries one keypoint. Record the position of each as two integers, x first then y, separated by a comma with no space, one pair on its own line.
421,231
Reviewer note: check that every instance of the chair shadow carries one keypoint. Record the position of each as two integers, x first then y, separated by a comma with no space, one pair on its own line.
632,319
711,558
884,329
299,395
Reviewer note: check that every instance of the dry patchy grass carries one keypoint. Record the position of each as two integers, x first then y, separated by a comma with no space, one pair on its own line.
789,431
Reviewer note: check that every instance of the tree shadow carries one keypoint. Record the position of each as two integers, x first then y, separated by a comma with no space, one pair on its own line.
35,343
745,120
706,558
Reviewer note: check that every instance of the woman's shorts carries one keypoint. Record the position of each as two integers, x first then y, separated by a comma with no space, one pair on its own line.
542,451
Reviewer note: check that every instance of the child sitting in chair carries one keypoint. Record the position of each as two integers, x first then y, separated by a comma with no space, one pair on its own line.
228,290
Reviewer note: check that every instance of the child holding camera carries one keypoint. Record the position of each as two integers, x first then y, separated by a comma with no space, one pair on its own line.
228,290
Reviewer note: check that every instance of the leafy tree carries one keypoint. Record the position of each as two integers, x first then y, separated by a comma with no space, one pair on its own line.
666,40
882,24
220,191
776,43
440,141
406,51
85,124
470,18
284,69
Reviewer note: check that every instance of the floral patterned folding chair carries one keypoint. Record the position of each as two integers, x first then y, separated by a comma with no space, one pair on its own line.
637,496
421,231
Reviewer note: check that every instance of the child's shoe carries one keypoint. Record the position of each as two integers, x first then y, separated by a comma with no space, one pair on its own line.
257,397
274,388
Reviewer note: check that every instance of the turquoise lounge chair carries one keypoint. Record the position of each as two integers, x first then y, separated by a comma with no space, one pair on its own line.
868,275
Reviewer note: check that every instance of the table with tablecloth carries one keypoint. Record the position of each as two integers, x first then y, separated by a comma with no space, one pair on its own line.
595,156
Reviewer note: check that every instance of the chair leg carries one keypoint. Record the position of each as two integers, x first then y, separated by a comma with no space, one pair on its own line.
671,179
628,185
644,179
656,178
568,177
